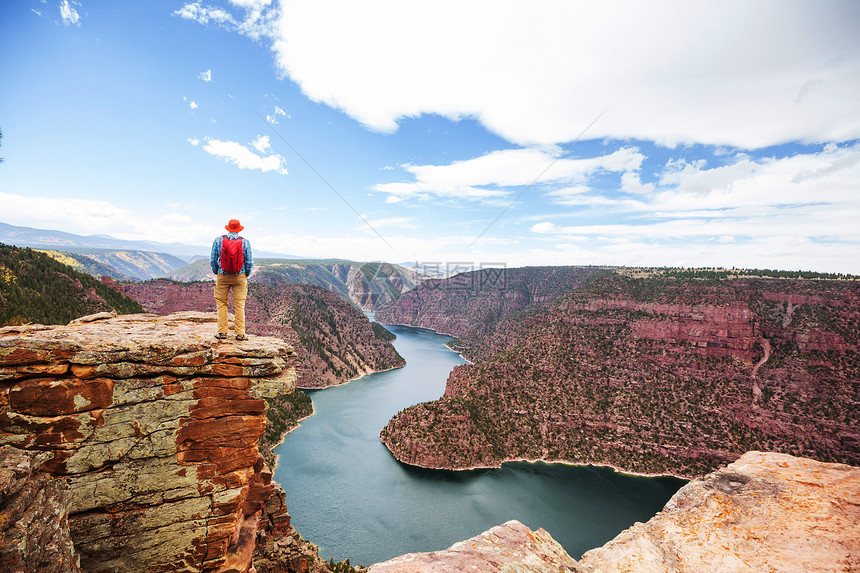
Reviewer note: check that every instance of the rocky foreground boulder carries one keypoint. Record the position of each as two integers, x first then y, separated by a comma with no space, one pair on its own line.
764,512
149,428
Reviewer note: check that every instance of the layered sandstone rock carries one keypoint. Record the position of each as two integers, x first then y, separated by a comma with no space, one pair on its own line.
153,425
764,512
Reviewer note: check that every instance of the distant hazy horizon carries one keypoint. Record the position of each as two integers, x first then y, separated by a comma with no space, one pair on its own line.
667,133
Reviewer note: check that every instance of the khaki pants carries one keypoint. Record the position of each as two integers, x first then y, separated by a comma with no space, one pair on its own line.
239,284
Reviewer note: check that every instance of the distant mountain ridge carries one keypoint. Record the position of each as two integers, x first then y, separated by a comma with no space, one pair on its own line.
119,264
366,285
70,242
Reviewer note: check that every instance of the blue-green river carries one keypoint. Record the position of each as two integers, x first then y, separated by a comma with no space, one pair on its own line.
347,494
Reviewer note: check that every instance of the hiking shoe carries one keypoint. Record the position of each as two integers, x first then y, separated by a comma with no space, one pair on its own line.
241,337
220,336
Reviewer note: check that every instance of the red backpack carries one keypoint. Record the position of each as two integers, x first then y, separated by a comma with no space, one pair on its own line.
232,258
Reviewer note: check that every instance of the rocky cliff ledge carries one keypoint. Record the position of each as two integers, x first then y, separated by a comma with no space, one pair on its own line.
764,512
334,341
152,427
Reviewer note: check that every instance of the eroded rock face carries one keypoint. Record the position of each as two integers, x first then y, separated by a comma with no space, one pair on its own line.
153,424
34,516
764,512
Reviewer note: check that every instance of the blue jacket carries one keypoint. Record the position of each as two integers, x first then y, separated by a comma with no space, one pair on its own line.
215,255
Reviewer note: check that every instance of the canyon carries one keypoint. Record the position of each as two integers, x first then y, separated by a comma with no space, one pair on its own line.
652,375
131,443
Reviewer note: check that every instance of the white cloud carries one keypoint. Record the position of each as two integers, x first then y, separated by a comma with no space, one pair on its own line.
261,144
252,5
256,22
83,216
710,72
400,191
490,177
631,183
790,253
69,15
203,15
359,245
239,155
831,176
91,217
36,12
584,196
273,118
206,76
544,228
193,141
793,212
193,104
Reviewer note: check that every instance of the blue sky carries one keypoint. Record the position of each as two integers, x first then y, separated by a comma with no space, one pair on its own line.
620,133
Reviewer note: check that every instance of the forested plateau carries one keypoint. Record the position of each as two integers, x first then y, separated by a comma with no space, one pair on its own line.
36,288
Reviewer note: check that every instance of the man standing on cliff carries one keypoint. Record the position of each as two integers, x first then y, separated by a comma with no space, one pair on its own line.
231,261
